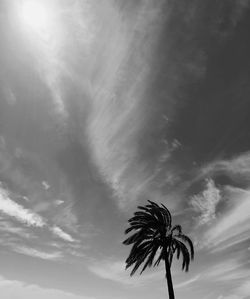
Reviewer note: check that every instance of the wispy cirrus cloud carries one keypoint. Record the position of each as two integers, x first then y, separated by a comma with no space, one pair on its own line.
233,225
63,235
10,228
18,289
28,217
224,208
237,168
222,278
229,297
224,225
115,270
117,111
112,271
244,289
15,210
228,270
56,255
188,282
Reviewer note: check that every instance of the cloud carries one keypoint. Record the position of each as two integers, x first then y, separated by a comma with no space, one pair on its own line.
64,214
11,208
237,168
116,117
111,270
45,48
25,172
233,225
187,283
20,290
62,51
229,297
115,271
230,269
28,217
205,203
45,185
224,210
223,277
6,226
61,234
37,253
241,291
244,289
227,219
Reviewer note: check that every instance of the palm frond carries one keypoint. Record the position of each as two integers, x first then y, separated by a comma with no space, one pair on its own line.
160,257
138,258
140,235
168,214
182,249
162,213
186,239
136,251
151,257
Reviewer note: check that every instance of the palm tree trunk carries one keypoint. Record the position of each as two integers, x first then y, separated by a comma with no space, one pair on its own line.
169,280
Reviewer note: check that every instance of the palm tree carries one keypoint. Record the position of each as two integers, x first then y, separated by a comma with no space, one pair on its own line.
155,239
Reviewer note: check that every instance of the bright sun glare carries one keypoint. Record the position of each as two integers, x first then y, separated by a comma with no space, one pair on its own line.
35,15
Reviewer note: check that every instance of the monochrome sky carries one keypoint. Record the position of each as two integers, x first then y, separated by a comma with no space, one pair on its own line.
109,104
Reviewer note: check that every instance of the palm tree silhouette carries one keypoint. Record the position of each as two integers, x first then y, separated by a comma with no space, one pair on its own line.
155,235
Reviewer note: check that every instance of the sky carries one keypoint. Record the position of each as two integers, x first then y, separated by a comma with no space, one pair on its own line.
107,104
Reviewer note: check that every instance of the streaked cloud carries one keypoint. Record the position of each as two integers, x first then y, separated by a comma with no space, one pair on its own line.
233,226
229,297
28,217
63,235
115,270
222,278
111,271
244,289
57,255
12,209
115,119
237,168
188,282
19,290
226,270
8,227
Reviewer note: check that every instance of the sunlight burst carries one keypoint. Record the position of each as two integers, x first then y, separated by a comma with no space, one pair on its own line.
36,16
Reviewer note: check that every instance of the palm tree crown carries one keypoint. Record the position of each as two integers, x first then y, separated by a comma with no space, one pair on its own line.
154,235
